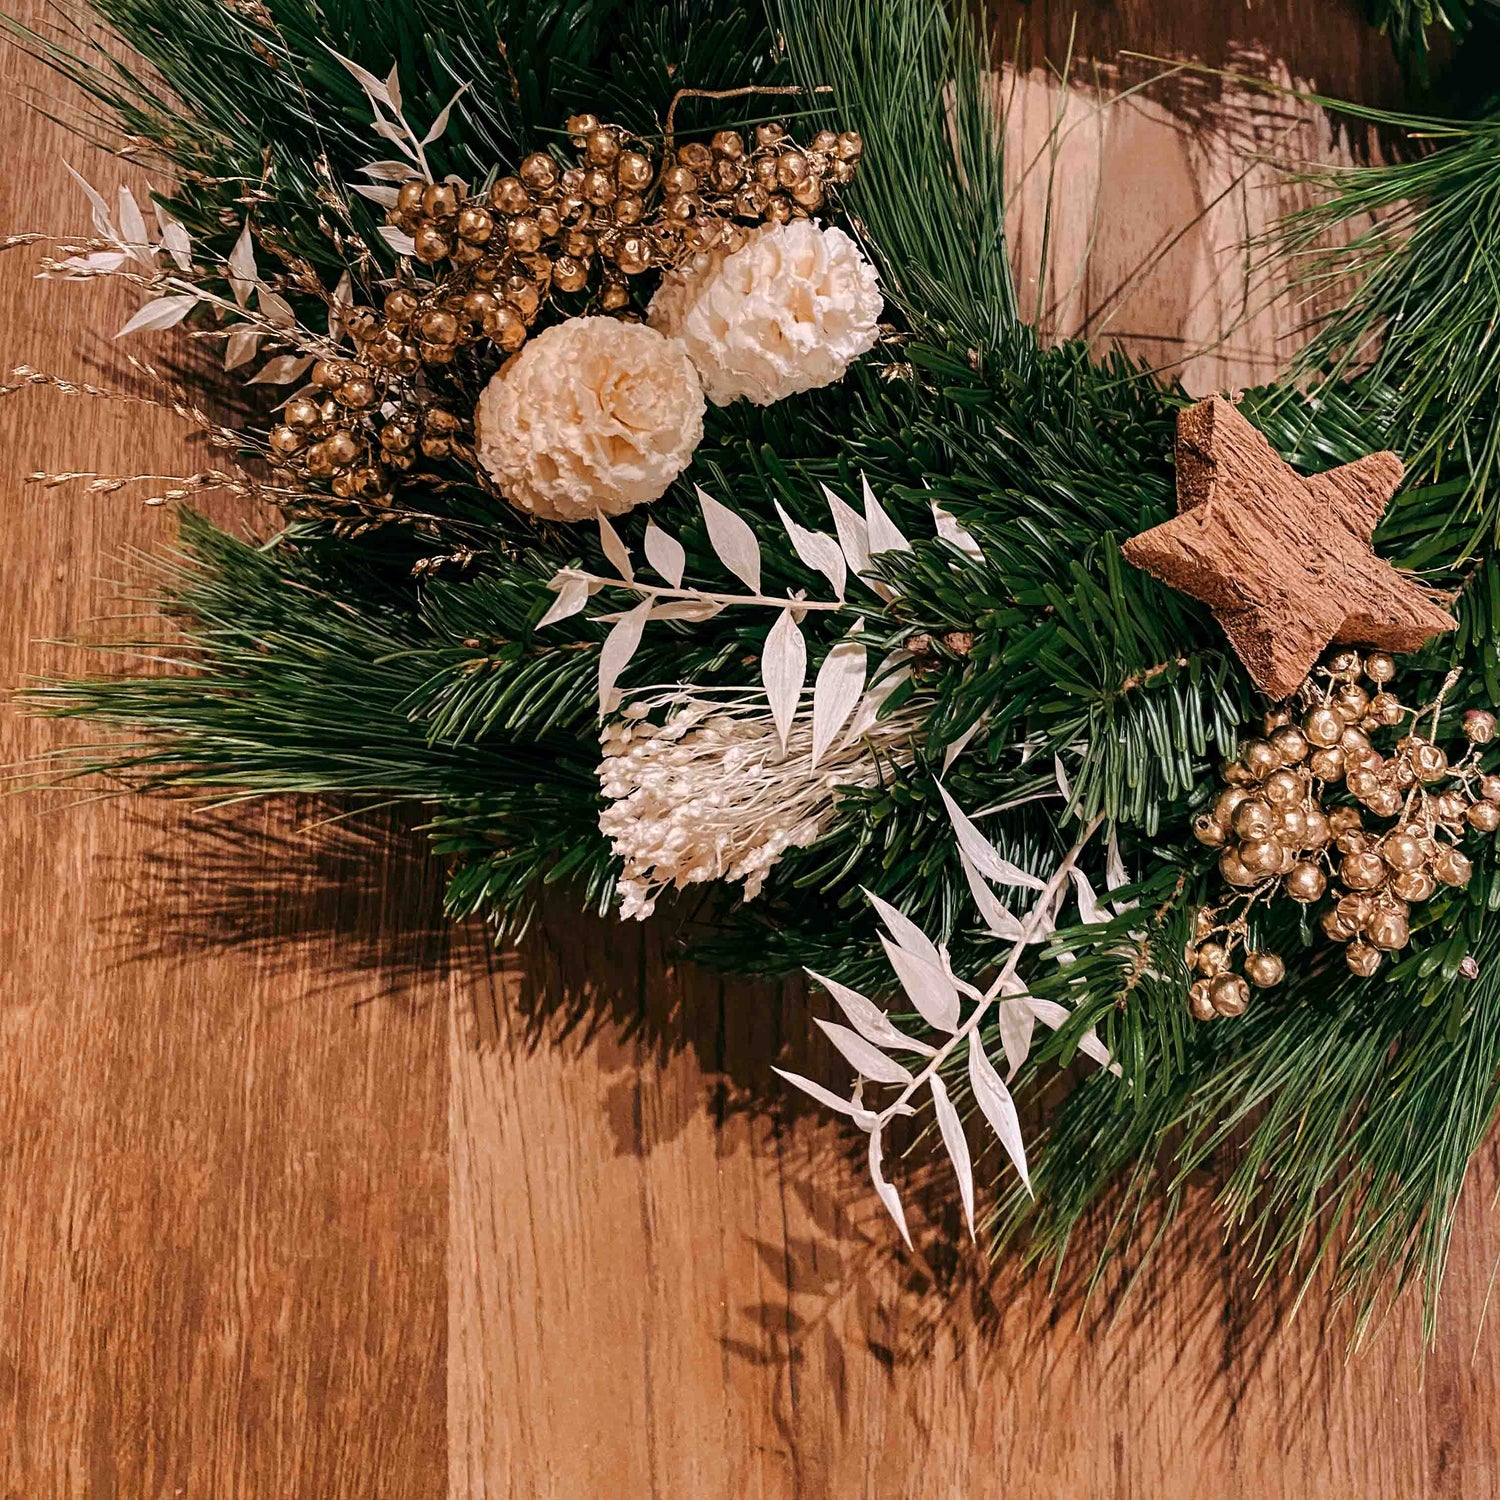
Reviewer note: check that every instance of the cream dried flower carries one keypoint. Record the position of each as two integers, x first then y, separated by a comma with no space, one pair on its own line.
789,312
591,418
709,794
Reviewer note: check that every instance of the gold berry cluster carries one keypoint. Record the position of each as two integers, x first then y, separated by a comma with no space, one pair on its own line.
622,210
1276,833
353,429
625,208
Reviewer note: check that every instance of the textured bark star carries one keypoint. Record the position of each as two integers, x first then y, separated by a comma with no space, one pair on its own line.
1283,560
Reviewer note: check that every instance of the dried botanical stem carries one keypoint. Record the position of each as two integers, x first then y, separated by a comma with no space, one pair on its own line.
786,89
656,591
1140,679
1437,703
1028,931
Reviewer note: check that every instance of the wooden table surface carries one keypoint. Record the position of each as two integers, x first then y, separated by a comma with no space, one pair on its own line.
307,1194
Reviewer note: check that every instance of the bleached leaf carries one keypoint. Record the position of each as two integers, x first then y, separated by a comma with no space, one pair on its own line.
817,550
133,234
240,346
572,595
732,540
393,88
1049,1012
865,1058
1115,874
865,1117
986,858
1002,922
373,86
1114,866
954,748
440,124
886,1192
160,312
282,370
853,534
1063,784
930,990
950,1127
398,239
1017,1021
387,171
890,675
783,669
883,533
615,550
104,225
665,553
868,1019
686,609
96,263
1041,920
1054,1015
997,1107
174,236
277,309
950,529
904,930
614,656
341,300
381,193
841,680
243,272
1088,904
397,136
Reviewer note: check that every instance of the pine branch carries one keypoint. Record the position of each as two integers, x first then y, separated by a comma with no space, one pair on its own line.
1421,323
916,79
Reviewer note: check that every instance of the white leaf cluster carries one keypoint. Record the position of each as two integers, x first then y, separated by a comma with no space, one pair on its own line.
391,124
877,1049
711,792
133,244
843,674
167,256
128,236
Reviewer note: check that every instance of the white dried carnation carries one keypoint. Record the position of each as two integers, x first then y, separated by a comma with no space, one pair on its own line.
593,417
710,795
789,312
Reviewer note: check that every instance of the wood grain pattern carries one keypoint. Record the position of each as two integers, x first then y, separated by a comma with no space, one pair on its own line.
226,1268
682,1276
222,1046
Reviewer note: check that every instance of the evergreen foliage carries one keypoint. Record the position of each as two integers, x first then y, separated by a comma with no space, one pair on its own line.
315,662
1411,24
1428,263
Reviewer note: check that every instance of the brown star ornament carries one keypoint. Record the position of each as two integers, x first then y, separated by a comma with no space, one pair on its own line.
1284,560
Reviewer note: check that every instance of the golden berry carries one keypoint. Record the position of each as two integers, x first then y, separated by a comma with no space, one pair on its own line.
440,200
538,172
430,244
1305,882
1264,969
1231,995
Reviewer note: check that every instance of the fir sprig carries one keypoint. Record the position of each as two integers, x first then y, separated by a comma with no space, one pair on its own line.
935,212
1428,267
327,664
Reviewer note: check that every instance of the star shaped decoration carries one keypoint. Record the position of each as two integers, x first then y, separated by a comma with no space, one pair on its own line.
1283,560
